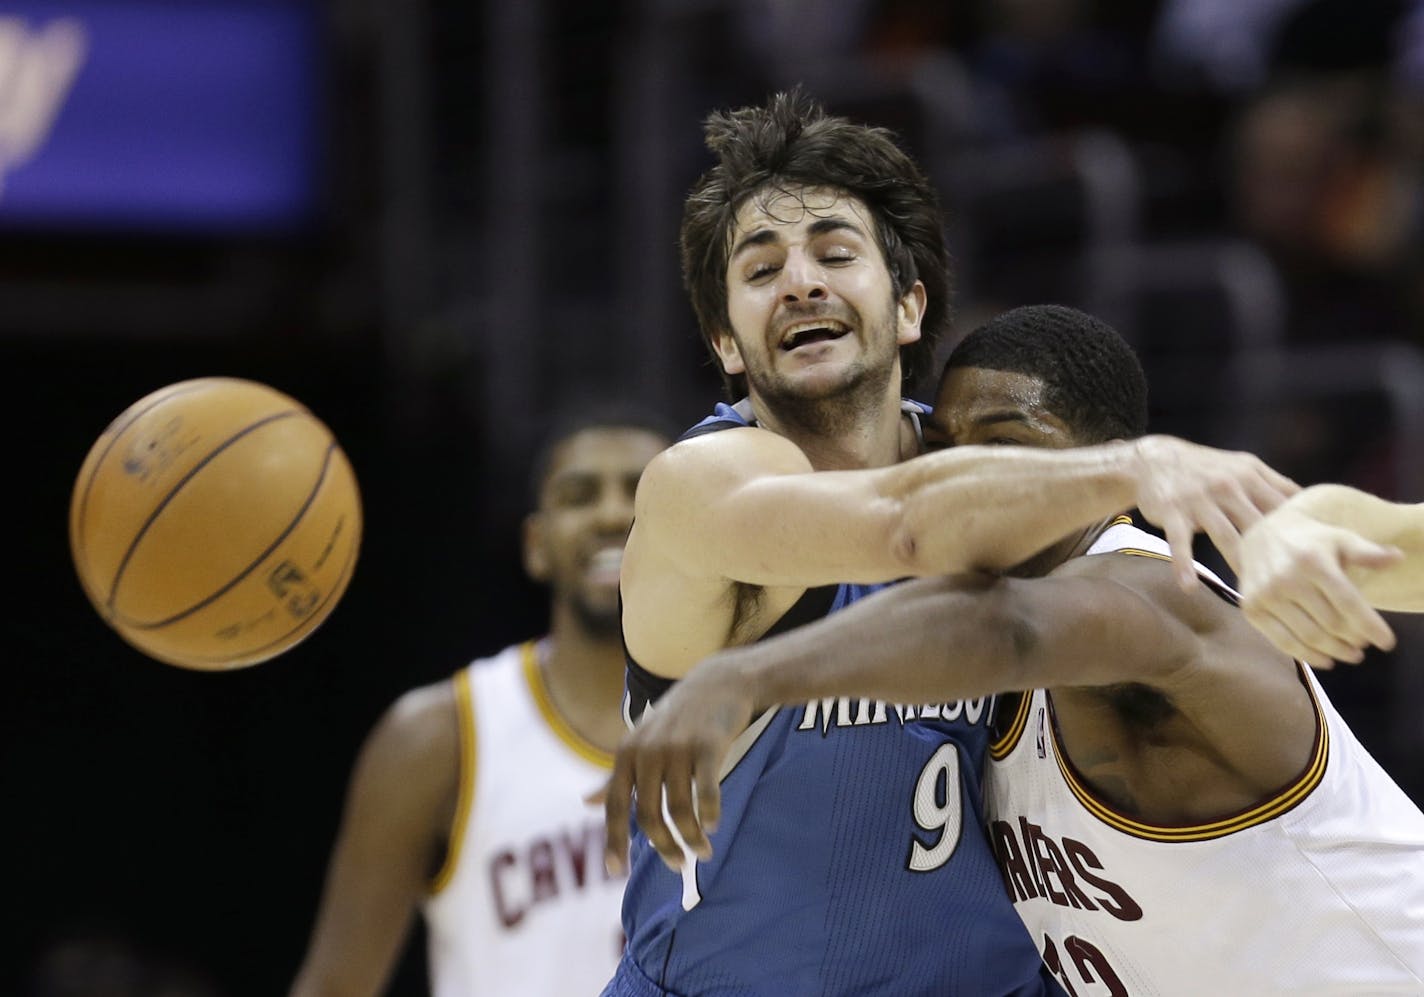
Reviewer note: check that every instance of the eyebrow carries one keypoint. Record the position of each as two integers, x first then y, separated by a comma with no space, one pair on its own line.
1013,416
1002,415
767,236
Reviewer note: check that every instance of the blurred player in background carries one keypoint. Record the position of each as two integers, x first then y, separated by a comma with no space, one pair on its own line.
1175,806
467,800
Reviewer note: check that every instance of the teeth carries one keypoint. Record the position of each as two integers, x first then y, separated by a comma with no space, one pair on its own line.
608,559
792,331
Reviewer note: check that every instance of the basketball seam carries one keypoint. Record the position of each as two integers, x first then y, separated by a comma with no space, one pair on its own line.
310,622
173,492
123,422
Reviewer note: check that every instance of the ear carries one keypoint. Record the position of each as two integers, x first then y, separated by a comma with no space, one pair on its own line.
728,352
909,313
536,555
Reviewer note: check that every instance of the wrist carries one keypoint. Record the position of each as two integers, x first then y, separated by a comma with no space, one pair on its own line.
1130,465
752,673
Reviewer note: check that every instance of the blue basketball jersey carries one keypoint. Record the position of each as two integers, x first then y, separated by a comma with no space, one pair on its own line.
850,857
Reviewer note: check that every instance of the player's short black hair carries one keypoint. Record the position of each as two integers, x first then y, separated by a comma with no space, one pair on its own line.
574,418
790,143
1093,379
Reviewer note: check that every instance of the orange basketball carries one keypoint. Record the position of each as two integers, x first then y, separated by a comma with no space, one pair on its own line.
215,523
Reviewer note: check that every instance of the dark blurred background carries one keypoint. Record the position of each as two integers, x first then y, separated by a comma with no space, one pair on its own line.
432,221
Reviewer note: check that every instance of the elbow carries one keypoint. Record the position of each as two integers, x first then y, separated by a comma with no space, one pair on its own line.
905,551
923,543
1011,640
918,549
912,554
984,638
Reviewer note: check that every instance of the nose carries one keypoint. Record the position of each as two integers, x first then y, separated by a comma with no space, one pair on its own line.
615,509
802,279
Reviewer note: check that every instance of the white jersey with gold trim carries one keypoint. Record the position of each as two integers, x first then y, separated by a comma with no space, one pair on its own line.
1319,890
523,904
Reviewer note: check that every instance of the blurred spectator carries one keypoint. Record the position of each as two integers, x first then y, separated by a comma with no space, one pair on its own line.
1222,45
99,964
1318,180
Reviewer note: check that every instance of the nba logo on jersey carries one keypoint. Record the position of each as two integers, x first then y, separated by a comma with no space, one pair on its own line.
1038,739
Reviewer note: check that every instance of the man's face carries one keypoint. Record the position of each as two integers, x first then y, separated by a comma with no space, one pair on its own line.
977,406
574,541
810,298
994,407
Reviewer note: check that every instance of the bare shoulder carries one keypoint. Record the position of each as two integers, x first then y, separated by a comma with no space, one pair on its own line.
416,743
713,462
698,529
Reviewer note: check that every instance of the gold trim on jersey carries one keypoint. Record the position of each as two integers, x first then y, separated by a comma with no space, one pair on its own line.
466,773
1273,806
1278,803
580,745
999,750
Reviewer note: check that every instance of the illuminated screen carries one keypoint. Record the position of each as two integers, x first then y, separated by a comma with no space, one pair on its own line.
158,114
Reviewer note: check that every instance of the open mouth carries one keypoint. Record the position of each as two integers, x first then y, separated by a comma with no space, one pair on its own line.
604,565
810,332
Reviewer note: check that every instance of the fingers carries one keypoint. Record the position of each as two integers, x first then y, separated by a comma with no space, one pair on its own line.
1224,531
1212,492
1357,552
1265,487
1179,533
709,790
1358,621
649,799
1285,640
1316,614
680,807
616,793
1303,636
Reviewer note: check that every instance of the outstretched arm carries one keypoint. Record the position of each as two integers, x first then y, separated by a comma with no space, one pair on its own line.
744,506
392,837
1315,571
1097,621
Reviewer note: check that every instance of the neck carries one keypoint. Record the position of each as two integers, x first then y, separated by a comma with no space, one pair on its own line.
584,675
843,433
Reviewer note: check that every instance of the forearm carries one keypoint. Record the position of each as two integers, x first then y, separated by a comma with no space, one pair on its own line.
990,508
929,640
356,944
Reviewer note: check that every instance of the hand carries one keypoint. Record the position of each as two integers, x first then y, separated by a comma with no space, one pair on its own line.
1296,588
1187,489
675,754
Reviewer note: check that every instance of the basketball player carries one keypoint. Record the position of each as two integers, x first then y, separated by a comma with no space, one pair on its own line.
1315,570
1176,809
467,801
814,256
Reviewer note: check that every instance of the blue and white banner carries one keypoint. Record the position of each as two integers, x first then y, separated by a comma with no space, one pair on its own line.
159,114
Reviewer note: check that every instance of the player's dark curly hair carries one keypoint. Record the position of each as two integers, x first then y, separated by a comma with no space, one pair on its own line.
791,143
1093,380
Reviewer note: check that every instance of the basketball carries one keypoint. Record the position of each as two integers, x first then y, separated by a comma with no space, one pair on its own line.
215,523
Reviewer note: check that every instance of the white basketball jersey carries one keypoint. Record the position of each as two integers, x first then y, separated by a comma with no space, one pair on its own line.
1318,890
523,904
